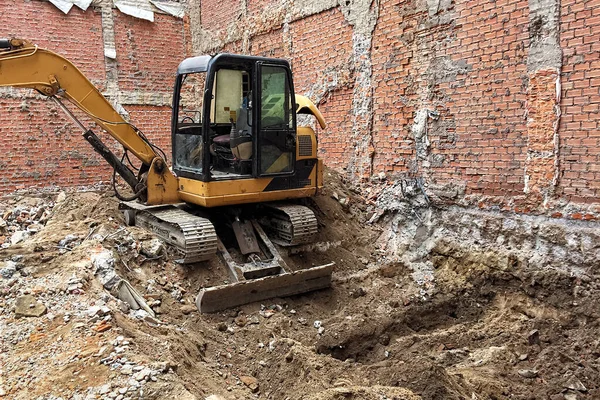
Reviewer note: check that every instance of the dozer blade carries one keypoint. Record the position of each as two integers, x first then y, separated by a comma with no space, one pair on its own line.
219,298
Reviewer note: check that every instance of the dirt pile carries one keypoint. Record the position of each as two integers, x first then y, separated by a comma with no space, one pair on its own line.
415,311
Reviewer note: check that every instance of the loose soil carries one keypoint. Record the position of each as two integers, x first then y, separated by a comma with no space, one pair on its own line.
482,333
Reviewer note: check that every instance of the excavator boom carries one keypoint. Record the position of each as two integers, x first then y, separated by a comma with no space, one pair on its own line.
24,65
53,75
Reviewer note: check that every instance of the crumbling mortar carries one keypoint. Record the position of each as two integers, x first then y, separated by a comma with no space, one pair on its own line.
438,15
362,15
544,56
194,13
111,66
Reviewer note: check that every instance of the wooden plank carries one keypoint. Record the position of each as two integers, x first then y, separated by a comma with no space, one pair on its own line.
222,297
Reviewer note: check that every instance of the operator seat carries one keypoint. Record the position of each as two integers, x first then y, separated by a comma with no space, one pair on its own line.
241,136
221,140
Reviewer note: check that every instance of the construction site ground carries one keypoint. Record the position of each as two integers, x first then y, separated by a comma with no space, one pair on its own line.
469,331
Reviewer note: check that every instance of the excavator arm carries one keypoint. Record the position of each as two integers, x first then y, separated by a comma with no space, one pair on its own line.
24,65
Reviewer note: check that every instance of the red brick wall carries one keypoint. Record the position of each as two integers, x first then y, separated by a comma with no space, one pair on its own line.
316,50
579,130
495,132
480,135
256,7
394,76
495,136
217,15
487,102
77,36
155,122
335,145
151,51
42,148
268,45
316,54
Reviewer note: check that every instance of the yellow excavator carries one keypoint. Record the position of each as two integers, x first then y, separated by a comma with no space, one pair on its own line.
237,156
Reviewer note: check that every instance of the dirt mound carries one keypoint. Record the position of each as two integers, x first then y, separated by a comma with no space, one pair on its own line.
414,312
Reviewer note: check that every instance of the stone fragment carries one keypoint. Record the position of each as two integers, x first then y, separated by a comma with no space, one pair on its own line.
34,228
18,237
152,248
93,311
104,266
61,197
162,281
533,337
104,389
268,313
9,269
360,292
241,320
27,306
142,375
70,238
575,384
528,373
251,382
188,309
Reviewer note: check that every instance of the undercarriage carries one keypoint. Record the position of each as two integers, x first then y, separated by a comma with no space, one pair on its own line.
246,241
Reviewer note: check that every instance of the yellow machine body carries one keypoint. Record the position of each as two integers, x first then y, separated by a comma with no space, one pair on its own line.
25,65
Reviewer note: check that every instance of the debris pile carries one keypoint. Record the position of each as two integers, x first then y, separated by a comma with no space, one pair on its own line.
22,218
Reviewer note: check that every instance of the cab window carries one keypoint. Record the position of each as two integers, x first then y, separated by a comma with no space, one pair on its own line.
277,136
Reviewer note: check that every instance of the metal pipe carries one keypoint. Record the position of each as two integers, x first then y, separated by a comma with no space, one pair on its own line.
69,113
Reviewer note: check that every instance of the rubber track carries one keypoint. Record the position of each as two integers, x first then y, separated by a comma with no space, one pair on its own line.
199,237
291,224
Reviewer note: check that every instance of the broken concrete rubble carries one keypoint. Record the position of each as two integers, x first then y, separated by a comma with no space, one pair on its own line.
104,264
152,248
8,270
28,306
104,268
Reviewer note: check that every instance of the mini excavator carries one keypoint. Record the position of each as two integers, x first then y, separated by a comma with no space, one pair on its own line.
238,162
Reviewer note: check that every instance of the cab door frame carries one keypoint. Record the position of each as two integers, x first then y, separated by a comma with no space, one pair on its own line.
257,121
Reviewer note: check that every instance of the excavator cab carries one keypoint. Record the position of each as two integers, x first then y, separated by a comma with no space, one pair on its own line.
233,118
